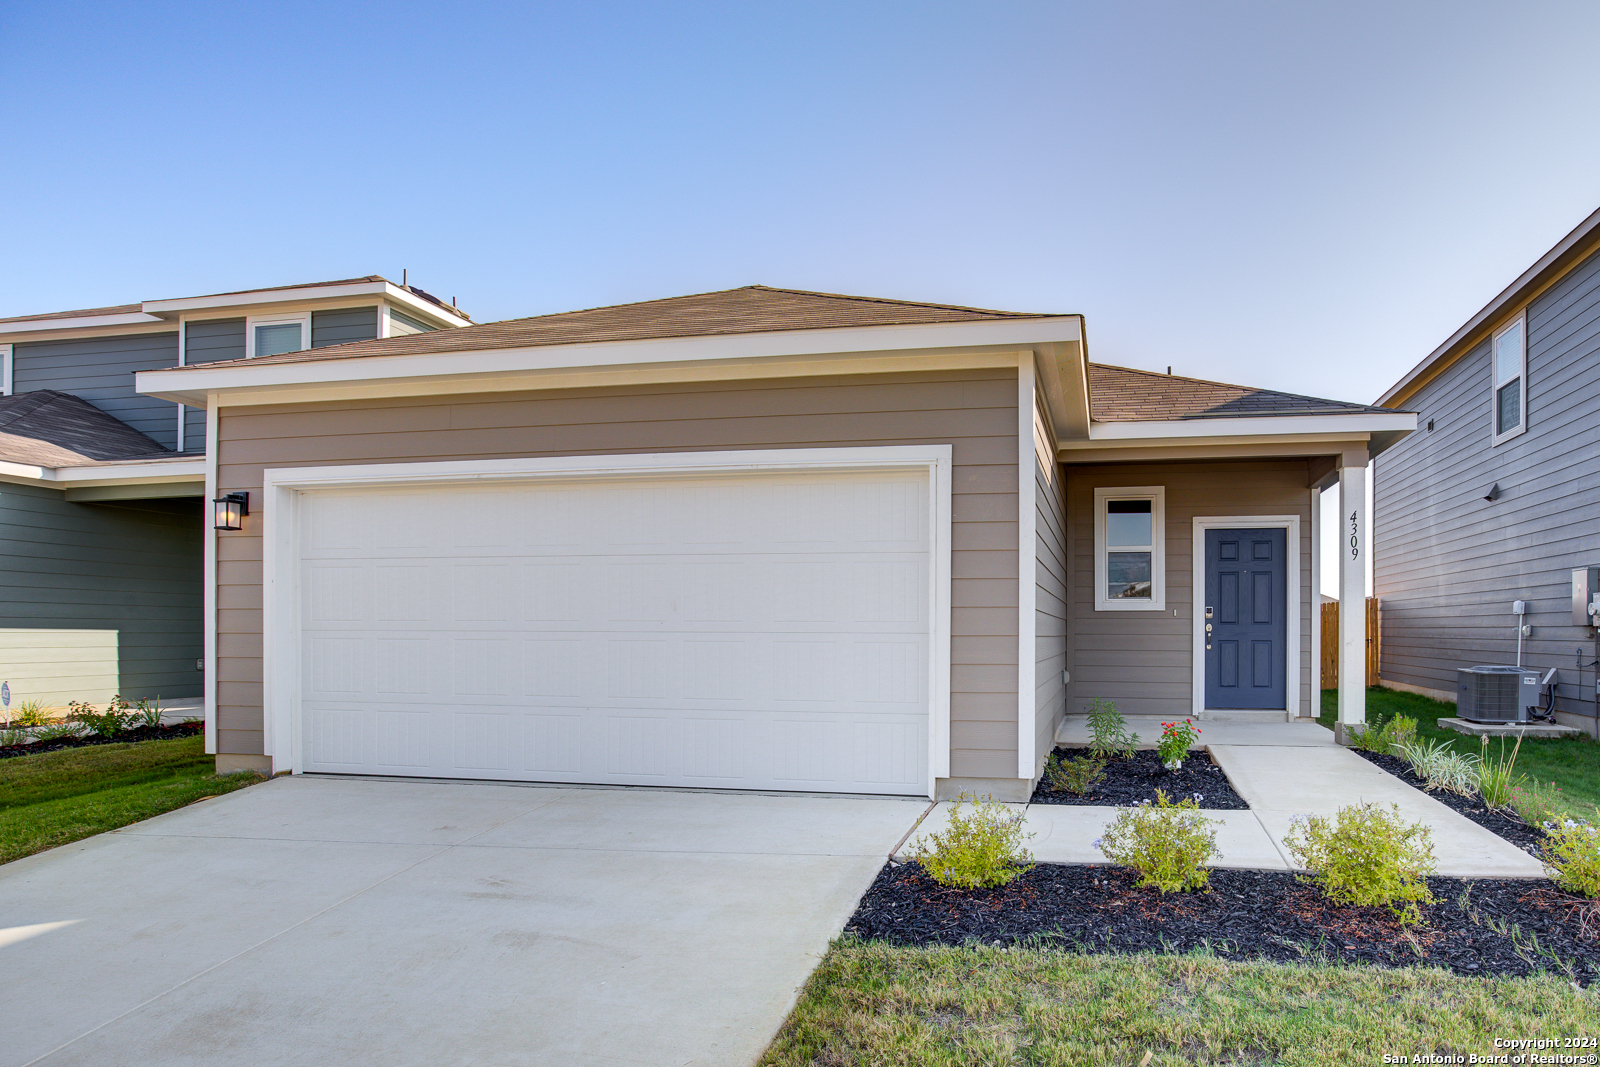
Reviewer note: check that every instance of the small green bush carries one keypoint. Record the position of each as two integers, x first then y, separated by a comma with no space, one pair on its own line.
1442,766
13,737
1536,804
116,719
1572,853
1076,776
1109,730
1176,737
977,851
1367,857
1168,844
58,731
1386,737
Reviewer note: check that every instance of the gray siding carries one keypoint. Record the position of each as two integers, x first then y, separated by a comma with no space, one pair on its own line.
342,326
1447,563
1050,592
133,567
100,370
209,341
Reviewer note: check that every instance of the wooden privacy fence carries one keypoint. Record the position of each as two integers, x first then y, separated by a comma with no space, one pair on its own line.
1330,643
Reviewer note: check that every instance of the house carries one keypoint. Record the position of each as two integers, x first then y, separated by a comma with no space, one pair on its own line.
1497,498
755,539
101,488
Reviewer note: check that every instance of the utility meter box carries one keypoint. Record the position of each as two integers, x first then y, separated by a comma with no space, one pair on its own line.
1585,588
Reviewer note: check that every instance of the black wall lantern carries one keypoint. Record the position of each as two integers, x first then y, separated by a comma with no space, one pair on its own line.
231,510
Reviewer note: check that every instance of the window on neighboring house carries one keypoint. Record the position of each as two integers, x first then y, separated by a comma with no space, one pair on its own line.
5,370
274,336
1130,549
1509,352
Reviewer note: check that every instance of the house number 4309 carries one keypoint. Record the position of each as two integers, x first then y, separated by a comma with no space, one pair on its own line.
1355,541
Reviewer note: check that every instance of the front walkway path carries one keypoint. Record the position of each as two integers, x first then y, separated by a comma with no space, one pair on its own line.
1281,770
349,921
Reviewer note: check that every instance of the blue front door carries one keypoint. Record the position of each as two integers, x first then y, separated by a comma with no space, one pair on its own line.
1246,618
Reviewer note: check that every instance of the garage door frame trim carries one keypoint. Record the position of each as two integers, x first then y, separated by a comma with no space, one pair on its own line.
282,488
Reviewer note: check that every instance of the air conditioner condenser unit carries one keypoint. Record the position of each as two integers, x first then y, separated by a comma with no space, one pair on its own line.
1496,694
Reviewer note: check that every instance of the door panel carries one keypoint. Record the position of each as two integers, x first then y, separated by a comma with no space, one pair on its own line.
1246,606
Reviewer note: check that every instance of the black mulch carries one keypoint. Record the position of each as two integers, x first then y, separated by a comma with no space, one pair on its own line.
143,733
1506,927
1127,782
1505,823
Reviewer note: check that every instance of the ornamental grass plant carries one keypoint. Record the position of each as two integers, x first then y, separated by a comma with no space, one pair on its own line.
1109,734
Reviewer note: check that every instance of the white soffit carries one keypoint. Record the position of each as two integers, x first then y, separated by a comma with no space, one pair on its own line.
662,359
1276,425
135,472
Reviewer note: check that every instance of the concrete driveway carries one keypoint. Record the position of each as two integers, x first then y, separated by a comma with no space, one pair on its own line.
350,921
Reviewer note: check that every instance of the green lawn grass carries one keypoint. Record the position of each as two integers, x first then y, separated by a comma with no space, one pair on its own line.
874,1004
56,797
1571,763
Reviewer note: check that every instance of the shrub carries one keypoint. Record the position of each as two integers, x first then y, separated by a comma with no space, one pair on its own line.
1497,776
977,851
58,731
1368,857
30,713
1110,731
1536,804
1442,766
1386,738
108,724
1168,844
1176,737
1572,853
13,737
1075,776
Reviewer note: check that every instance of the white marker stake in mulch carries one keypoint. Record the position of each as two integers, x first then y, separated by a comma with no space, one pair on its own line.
11,935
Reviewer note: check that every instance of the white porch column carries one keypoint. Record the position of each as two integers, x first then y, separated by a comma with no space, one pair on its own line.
1352,592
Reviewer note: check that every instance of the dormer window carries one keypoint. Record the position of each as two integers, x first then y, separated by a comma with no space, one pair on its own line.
1509,354
273,336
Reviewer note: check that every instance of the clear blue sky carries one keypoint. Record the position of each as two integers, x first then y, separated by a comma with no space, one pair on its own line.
1304,197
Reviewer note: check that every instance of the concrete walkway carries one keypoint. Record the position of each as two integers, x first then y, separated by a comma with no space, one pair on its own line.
338,921
1281,770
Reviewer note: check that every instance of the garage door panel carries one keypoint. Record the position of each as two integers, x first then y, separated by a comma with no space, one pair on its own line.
749,632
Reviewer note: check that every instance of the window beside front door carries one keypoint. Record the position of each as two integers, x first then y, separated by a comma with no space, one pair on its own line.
1509,353
1130,548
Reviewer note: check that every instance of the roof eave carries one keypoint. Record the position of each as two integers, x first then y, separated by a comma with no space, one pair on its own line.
193,385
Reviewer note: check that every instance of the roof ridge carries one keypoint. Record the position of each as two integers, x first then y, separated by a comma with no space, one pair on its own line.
1229,385
903,303
21,406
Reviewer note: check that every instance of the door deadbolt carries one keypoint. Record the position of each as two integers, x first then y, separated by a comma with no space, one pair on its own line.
1208,613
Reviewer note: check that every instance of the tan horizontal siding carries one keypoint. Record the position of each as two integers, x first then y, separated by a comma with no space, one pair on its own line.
1142,660
1051,583
974,411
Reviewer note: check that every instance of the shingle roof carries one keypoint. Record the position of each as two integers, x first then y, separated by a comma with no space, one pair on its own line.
130,309
752,309
47,428
1121,394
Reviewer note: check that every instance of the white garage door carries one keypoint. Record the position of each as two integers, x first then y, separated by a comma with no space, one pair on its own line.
738,631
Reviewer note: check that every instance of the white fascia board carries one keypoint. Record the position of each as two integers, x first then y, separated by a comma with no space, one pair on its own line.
134,318
311,294
134,472
1275,425
500,368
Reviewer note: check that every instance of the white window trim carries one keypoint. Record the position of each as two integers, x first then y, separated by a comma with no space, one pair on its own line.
5,370
1157,495
278,513
1291,652
1495,383
250,324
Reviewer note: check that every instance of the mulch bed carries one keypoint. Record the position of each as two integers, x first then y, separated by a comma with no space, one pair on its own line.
1506,824
143,733
1506,927
1128,782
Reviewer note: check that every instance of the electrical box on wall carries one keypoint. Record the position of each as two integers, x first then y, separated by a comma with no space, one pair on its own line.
1585,588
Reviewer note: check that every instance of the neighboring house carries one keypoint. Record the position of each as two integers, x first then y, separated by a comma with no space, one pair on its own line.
101,584
1497,499
757,538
